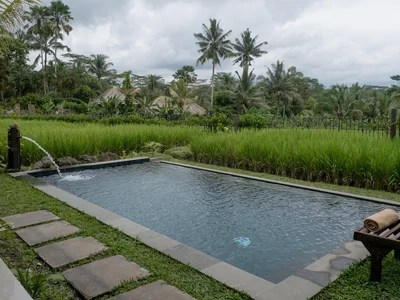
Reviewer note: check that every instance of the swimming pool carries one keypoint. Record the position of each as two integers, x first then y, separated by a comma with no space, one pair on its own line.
266,229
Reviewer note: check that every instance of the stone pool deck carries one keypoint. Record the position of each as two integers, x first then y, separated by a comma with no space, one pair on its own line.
301,285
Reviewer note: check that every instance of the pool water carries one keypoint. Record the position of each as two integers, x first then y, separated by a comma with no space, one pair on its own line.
266,229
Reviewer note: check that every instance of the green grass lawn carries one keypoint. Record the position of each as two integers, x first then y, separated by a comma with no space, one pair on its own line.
353,284
18,197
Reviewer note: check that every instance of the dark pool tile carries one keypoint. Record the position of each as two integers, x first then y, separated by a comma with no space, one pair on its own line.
194,258
320,278
341,263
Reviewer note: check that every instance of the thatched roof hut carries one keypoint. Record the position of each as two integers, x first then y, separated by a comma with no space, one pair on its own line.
193,108
111,92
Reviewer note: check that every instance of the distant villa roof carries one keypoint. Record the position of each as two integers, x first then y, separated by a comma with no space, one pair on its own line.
193,108
111,92
160,101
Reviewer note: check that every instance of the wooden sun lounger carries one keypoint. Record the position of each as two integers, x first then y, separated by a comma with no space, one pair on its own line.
379,244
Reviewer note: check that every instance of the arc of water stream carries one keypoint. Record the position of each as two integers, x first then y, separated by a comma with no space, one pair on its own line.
47,153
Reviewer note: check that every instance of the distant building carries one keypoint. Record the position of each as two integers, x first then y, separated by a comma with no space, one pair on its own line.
111,92
193,108
159,102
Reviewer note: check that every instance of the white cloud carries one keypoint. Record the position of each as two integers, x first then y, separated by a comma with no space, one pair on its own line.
336,41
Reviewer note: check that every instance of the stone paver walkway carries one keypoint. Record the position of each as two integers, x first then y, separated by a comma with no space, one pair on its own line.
30,218
63,253
46,232
157,290
101,276
95,278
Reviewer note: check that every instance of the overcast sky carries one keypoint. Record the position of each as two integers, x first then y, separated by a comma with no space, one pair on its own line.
336,41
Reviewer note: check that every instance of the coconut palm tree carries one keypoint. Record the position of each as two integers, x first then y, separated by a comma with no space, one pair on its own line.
279,84
127,88
145,106
246,49
181,94
214,45
246,93
11,17
225,81
100,67
59,17
152,82
343,101
46,42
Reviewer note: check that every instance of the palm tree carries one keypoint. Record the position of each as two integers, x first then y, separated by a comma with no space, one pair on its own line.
246,93
343,101
152,82
246,49
59,16
181,94
45,41
111,106
11,17
98,66
36,17
127,88
279,83
225,81
214,45
145,106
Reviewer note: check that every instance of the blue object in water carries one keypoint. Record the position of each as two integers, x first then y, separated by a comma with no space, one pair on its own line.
242,241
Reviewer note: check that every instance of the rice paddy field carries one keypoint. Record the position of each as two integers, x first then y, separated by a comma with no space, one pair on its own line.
344,158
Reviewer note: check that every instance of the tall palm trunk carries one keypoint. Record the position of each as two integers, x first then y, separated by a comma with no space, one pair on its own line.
277,105
55,62
212,82
43,71
284,110
46,86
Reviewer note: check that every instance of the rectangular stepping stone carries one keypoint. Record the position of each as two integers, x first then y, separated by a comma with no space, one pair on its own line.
30,218
99,277
46,232
157,290
69,251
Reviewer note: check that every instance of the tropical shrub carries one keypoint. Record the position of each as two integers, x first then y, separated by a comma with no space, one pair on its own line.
180,153
252,121
84,93
79,108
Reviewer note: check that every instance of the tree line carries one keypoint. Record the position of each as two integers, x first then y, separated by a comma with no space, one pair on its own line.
71,81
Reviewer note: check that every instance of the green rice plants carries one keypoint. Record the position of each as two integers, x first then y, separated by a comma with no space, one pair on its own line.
344,158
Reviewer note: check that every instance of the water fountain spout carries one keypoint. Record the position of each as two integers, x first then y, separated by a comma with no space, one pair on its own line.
47,153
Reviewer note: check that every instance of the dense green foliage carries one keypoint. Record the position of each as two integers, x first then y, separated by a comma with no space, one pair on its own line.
54,78
19,255
345,158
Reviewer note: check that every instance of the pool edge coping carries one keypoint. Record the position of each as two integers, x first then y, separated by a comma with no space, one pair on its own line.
300,285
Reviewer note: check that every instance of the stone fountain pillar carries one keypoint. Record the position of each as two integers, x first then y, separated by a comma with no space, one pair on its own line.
14,149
